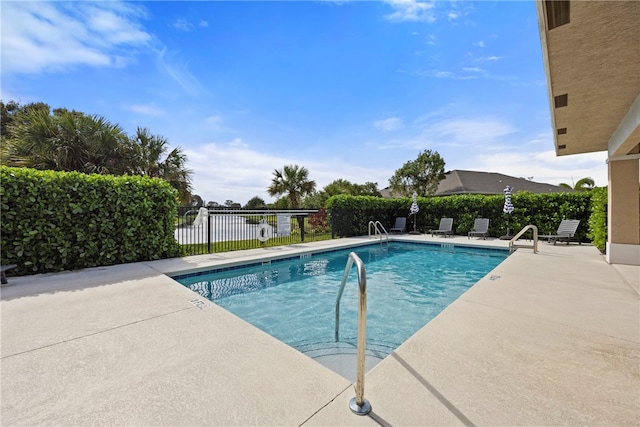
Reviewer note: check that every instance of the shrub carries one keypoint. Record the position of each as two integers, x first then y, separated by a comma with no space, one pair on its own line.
598,218
54,221
351,214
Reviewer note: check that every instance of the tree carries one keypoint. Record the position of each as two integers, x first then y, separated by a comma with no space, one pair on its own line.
292,181
149,157
337,187
367,189
281,203
315,200
421,175
342,186
66,141
12,110
255,203
196,201
583,184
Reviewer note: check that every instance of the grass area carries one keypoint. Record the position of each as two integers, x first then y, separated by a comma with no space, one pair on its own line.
312,233
238,245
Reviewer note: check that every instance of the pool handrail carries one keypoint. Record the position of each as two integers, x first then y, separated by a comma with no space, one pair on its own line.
378,230
534,246
358,405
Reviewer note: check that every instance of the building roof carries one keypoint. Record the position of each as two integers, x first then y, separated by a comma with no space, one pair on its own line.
591,53
473,182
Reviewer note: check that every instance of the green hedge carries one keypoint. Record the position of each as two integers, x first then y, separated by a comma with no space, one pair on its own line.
54,221
598,218
351,214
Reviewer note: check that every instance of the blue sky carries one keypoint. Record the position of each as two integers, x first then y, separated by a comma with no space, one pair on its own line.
350,89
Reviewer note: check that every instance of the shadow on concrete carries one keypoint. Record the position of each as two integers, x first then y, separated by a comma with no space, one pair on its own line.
450,406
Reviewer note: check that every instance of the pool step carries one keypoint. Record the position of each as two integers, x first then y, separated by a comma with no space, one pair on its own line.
340,356
318,349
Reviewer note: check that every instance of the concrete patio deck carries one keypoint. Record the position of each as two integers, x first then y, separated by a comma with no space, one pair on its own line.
544,339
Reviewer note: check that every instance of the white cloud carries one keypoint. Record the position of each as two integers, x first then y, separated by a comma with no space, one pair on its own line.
479,44
213,120
491,144
467,133
236,171
182,25
469,73
388,125
216,123
442,74
411,10
147,110
114,23
229,171
52,36
179,73
203,23
239,170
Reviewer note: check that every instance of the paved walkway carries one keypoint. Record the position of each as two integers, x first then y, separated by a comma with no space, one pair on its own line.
544,339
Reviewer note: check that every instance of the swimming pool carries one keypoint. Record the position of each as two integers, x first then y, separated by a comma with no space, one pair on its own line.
293,299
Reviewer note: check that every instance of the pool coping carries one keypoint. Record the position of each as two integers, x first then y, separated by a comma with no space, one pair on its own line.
543,339
298,255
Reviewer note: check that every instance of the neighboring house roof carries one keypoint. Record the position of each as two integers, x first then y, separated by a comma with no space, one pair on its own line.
472,182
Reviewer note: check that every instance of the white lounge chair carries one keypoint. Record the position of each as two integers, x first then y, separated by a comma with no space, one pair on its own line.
566,231
400,226
446,227
480,228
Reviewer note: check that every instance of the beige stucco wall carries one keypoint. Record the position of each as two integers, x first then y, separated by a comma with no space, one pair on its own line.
624,203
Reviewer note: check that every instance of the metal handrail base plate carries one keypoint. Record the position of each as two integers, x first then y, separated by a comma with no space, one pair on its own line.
360,410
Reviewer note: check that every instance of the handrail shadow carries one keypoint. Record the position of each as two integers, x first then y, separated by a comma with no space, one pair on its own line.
450,406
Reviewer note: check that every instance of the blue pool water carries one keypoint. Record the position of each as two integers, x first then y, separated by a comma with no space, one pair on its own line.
408,284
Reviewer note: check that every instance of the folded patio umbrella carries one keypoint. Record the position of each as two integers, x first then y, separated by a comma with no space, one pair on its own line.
508,206
413,210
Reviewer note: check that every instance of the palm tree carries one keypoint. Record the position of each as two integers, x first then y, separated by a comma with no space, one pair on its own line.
29,144
65,141
584,184
147,151
73,141
91,144
292,181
